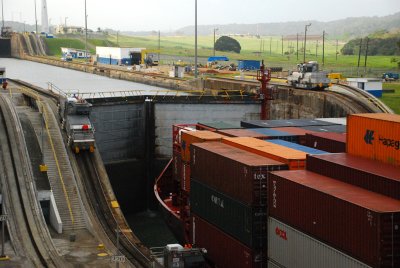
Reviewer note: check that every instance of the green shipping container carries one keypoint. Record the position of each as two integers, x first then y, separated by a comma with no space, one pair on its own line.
246,223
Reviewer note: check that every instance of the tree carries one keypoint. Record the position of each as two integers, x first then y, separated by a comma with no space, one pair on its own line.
226,43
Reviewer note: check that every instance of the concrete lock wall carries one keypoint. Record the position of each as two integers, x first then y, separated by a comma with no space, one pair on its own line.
296,103
119,131
168,114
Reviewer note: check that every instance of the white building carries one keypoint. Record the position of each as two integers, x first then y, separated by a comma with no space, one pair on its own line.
119,55
371,85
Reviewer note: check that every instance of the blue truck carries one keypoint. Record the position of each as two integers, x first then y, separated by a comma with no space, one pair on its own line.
390,76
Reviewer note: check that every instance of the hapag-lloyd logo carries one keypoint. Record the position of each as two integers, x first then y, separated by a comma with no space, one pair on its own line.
369,138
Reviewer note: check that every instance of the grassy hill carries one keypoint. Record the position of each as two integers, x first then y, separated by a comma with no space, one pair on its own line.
55,44
270,47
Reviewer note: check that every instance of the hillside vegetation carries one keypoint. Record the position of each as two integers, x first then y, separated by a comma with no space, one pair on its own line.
379,43
344,29
268,48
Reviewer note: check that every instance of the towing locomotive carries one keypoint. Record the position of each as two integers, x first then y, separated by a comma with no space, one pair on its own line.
74,115
308,76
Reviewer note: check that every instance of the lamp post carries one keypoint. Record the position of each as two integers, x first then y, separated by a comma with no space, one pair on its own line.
85,34
2,13
36,18
215,29
195,38
305,41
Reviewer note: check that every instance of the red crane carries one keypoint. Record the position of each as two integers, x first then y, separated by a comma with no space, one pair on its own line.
264,76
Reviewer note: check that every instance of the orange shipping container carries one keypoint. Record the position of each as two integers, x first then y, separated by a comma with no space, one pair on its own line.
375,136
190,137
293,158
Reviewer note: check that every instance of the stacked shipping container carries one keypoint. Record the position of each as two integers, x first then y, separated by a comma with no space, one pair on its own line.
375,136
316,220
187,139
223,249
293,158
330,142
356,221
290,247
237,173
228,195
366,173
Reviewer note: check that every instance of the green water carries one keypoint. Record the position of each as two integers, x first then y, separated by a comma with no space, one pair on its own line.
150,228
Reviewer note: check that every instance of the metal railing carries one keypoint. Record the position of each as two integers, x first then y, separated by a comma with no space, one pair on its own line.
44,112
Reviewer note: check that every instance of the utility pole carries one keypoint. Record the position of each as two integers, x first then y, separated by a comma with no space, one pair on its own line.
195,38
366,55
159,45
323,48
359,55
270,45
297,46
215,29
305,40
86,53
2,13
337,41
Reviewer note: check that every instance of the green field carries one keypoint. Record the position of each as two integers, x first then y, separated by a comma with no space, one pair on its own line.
392,99
252,48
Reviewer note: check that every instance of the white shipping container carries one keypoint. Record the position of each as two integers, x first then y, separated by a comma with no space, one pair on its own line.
291,248
339,120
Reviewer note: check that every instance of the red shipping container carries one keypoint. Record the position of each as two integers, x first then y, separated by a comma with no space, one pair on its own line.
185,177
327,141
366,173
363,224
222,249
237,173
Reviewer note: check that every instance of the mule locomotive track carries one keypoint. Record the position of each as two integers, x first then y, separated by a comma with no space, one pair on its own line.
94,179
31,232
129,245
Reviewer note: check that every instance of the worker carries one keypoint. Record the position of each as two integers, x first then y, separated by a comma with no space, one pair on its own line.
5,84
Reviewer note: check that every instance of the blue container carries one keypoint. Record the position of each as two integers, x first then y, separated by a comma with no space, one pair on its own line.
270,133
298,147
249,64
108,60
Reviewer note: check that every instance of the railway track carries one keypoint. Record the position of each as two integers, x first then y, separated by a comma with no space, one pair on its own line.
111,219
29,226
98,191
367,98
358,99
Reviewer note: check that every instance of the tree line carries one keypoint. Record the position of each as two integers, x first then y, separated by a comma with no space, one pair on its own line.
376,46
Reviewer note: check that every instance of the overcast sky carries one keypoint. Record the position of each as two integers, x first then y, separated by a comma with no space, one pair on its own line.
164,15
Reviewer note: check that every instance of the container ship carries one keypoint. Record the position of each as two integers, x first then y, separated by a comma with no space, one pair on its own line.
287,193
